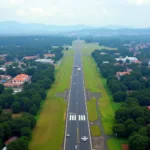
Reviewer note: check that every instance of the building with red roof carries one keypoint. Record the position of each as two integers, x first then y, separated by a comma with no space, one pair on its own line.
148,107
30,57
49,55
21,79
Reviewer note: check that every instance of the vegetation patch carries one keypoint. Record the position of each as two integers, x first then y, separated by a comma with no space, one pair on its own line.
91,107
115,143
95,130
49,131
96,83
90,47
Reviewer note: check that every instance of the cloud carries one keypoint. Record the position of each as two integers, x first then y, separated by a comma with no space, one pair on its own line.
139,2
39,11
15,2
21,13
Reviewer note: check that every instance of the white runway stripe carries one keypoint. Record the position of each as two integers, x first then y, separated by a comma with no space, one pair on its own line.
82,118
72,117
79,117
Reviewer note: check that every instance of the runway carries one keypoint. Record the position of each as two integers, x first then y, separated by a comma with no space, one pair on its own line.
77,124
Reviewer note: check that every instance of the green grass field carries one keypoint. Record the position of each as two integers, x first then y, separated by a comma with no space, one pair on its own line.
92,113
115,143
96,83
49,131
95,130
88,48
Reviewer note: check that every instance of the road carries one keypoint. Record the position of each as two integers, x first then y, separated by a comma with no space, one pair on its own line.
77,124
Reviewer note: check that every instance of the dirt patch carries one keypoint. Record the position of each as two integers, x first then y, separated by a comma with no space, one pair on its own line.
98,143
89,95
125,147
64,95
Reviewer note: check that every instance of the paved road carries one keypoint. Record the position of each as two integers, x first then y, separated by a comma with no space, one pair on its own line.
77,119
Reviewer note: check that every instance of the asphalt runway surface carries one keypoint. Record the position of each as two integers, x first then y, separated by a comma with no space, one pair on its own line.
77,124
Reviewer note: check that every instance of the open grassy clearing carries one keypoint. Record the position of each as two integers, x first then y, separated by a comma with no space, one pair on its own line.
49,131
88,48
95,130
115,143
92,113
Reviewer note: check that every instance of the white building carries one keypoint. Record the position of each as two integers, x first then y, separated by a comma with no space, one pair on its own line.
50,61
131,59
105,62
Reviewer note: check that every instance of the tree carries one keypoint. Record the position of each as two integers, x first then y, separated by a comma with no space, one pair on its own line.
25,131
122,115
1,88
130,126
15,145
1,131
127,61
135,85
33,110
119,130
119,96
1,144
15,107
138,142
140,121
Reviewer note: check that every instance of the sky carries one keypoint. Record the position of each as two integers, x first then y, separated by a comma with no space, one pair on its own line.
133,13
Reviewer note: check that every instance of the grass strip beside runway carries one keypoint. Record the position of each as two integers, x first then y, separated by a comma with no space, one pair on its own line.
92,113
96,83
95,130
49,131
90,47
115,143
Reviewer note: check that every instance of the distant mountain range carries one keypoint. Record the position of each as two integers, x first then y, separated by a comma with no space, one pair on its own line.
16,28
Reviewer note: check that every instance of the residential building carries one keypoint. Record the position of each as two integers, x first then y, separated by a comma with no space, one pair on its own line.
102,53
105,62
50,61
119,74
49,55
122,73
8,63
30,57
21,79
131,59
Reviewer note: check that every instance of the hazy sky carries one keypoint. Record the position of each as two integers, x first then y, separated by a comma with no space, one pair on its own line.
89,12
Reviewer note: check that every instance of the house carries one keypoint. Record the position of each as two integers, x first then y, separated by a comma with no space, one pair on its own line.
12,85
137,62
5,77
49,55
119,74
49,61
2,56
102,53
21,79
3,68
30,57
10,140
105,62
131,59
8,63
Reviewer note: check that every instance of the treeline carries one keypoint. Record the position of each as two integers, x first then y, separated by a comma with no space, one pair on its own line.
117,41
19,47
27,102
133,117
